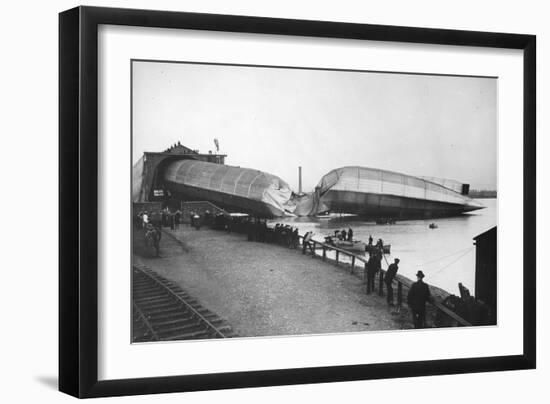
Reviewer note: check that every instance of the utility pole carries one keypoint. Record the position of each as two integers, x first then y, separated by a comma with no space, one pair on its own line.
299,179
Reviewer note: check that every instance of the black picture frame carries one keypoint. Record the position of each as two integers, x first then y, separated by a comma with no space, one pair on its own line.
78,195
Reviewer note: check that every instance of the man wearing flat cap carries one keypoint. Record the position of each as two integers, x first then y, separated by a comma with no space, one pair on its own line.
419,294
388,279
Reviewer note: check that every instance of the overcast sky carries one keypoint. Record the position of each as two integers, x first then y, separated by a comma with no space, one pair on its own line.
277,119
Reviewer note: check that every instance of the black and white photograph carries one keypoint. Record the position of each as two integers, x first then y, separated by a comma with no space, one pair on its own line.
272,201
275,202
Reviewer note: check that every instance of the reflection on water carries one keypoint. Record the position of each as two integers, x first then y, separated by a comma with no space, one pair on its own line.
446,255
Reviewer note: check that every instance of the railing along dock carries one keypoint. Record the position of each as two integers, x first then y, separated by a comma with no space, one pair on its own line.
399,280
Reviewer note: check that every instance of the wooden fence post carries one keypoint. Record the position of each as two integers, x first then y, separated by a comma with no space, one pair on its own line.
324,253
399,294
337,256
380,283
352,263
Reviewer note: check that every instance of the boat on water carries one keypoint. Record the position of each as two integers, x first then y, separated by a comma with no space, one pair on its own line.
433,226
355,246
386,248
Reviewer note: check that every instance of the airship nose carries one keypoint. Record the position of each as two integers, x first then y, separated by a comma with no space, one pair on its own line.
472,205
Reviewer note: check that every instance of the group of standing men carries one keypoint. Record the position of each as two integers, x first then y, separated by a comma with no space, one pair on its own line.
284,235
419,292
158,218
344,235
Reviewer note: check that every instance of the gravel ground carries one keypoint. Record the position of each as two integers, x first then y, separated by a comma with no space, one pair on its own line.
267,290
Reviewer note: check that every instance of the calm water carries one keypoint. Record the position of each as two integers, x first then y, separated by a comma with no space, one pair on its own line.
446,255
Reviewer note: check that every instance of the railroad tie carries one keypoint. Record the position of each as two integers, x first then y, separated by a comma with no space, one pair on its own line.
163,311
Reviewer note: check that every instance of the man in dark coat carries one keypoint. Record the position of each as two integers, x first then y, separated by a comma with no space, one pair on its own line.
197,221
307,243
373,266
388,279
344,235
419,294
295,239
177,219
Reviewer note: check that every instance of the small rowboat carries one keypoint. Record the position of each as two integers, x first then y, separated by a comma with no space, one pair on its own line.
373,248
356,246
352,246
433,226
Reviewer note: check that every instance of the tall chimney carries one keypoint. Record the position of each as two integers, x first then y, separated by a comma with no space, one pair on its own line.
299,179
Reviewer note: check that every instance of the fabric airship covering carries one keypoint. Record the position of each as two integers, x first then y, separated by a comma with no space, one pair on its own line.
233,181
376,181
456,186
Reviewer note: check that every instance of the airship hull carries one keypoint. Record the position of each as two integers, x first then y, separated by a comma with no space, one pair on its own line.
378,193
235,189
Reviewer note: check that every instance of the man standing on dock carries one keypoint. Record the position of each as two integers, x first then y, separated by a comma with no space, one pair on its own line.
388,279
145,219
373,266
419,294
308,244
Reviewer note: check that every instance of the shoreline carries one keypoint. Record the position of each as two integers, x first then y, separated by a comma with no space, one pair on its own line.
269,290
265,289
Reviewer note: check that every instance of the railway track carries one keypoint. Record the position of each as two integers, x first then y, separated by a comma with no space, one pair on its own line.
162,311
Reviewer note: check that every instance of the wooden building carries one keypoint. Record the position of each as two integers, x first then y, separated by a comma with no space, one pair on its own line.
147,185
486,270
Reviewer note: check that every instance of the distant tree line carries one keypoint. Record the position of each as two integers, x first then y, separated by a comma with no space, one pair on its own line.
482,193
